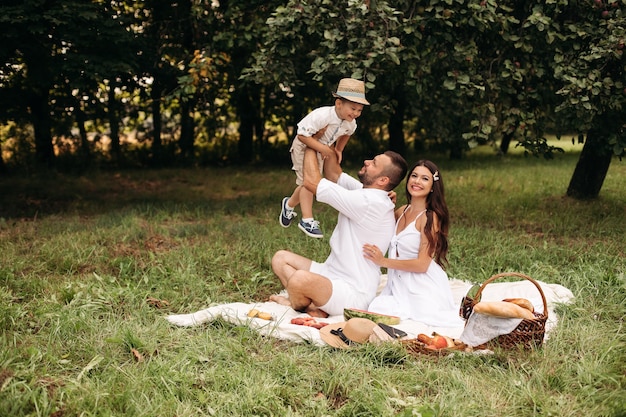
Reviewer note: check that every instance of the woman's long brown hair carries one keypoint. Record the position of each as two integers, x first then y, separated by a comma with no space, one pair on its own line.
435,203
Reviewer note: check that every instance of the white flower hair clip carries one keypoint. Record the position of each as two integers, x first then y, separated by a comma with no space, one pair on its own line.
436,176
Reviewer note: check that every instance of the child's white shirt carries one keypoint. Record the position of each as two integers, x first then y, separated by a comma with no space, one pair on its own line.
325,117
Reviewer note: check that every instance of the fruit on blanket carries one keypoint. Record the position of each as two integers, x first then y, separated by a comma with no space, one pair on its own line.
440,342
308,321
253,313
522,302
449,341
503,309
350,313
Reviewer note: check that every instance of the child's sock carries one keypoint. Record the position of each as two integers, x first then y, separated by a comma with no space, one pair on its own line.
287,206
308,220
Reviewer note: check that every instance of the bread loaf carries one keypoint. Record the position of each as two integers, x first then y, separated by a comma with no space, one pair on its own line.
522,302
503,309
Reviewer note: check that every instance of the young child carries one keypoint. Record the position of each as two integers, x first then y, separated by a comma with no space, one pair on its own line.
327,130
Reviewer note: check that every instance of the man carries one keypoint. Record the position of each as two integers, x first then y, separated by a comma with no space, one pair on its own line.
366,215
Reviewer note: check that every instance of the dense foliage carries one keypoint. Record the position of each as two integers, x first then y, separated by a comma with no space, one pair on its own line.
201,81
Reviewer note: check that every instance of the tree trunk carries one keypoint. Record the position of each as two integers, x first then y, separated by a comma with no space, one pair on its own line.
591,168
40,113
85,152
186,139
457,150
370,146
3,167
157,144
396,124
259,120
506,141
245,112
114,124
187,126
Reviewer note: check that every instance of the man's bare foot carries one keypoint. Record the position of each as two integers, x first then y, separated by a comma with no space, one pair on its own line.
279,299
316,312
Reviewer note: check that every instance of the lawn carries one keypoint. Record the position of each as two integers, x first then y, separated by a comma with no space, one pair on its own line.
90,265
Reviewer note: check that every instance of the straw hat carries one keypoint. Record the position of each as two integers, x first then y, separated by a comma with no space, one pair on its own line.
347,333
351,89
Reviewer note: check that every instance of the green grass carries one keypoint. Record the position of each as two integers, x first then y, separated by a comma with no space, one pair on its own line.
79,257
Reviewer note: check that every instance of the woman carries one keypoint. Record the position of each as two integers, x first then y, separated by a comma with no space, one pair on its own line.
417,284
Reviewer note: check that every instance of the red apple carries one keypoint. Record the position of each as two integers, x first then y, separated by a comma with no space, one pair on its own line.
440,342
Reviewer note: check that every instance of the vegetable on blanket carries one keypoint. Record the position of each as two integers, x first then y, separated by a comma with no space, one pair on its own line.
503,309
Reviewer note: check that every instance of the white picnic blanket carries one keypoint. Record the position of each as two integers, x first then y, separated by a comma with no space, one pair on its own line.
281,327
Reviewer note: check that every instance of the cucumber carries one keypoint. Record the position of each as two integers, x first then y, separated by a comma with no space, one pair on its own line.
349,313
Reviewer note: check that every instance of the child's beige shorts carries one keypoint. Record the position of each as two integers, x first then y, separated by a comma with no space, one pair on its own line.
297,159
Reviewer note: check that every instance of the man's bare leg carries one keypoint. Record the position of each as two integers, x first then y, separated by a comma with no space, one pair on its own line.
286,263
308,290
314,311
279,299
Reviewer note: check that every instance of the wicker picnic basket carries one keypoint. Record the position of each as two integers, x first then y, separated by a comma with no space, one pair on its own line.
528,334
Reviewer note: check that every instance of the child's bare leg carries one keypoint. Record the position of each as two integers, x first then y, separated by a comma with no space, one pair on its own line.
294,200
306,203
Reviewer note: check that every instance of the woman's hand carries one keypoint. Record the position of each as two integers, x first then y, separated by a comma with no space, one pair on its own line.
374,254
392,196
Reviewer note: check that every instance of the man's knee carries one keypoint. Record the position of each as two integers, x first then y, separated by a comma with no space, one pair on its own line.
279,259
314,287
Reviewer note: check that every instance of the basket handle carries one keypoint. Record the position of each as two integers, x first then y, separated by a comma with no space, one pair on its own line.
514,274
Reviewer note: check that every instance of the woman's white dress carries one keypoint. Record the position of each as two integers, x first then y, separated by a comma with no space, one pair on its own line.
424,297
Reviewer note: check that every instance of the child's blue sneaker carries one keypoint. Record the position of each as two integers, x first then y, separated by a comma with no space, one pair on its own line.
311,229
286,215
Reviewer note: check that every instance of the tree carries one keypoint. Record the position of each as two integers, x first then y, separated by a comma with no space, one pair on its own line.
55,55
239,31
589,60
30,64
308,47
474,71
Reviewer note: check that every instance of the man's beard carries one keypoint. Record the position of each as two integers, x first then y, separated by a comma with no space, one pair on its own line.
365,178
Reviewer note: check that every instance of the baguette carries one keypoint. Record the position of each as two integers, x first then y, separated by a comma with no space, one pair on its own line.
503,309
522,302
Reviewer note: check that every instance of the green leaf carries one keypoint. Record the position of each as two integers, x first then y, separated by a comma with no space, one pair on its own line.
449,84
